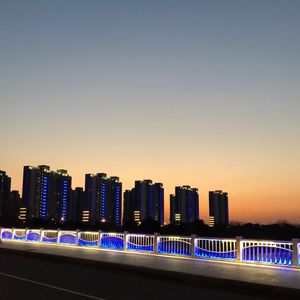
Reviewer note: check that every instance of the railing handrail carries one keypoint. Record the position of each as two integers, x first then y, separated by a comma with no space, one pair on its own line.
215,239
265,241
175,236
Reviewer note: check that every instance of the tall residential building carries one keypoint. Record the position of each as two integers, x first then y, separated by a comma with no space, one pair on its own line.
5,185
218,208
77,205
63,194
46,194
145,200
184,205
12,207
103,198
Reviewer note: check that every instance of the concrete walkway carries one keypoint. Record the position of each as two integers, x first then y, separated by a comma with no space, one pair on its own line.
255,274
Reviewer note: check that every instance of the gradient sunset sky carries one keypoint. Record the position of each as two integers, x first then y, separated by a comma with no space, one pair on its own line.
204,93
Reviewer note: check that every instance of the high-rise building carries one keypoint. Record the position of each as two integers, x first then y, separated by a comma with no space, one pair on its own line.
5,185
12,207
145,200
128,207
184,205
46,194
63,194
77,205
103,198
218,208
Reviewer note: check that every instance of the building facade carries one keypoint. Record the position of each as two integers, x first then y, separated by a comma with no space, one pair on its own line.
12,208
77,205
5,186
103,199
63,195
184,205
46,194
144,201
218,208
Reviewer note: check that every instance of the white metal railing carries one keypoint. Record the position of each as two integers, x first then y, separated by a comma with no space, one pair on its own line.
298,256
67,237
49,236
6,233
267,252
175,245
19,234
88,238
284,253
112,240
215,248
140,242
33,235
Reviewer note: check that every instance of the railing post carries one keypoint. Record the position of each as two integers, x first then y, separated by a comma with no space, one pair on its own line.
99,241
193,244
26,229
58,234
239,248
125,240
77,236
295,257
155,246
41,235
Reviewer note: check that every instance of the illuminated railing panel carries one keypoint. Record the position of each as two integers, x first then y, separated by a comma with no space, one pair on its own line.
140,242
90,239
67,237
298,248
174,245
19,234
252,251
6,233
33,235
112,240
49,236
215,248
267,252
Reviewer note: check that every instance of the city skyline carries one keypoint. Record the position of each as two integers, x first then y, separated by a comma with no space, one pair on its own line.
204,215
196,93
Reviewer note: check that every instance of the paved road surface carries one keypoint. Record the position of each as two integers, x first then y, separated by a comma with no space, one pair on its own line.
32,278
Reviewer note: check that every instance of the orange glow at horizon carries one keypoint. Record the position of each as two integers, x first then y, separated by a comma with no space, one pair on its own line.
263,198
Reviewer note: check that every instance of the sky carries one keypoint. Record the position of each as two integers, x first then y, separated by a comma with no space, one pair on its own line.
199,93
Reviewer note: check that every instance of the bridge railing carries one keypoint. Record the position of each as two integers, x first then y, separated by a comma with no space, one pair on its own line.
33,235
271,252
140,242
49,236
112,240
216,248
298,254
88,238
19,234
174,245
6,233
285,253
67,237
